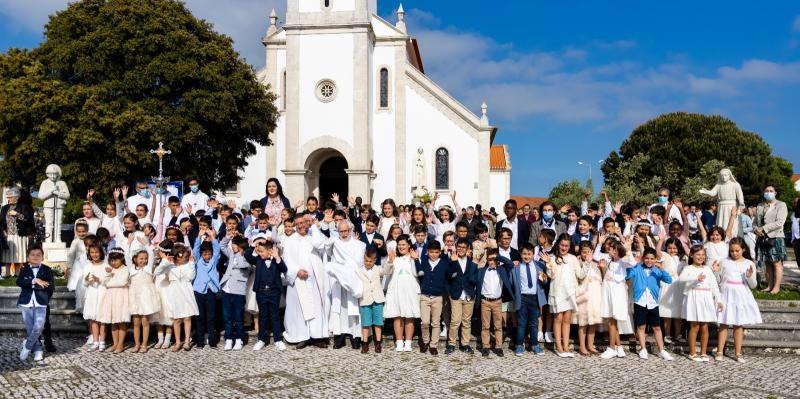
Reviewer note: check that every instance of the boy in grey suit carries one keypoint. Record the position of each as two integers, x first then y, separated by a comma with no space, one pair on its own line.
234,288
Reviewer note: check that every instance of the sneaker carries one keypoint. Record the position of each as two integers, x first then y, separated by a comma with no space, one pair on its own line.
399,346
548,337
228,345
537,350
449,349
704,358
620,352
740,359
407,346
668,340
467,349
609,354
259,345
238,345
24,353
38,356
540,337
666,356
681,340
561,354
498,352
719,357
89,340
95,346
643,354
443,333
101,346
280,346
519,350
569,354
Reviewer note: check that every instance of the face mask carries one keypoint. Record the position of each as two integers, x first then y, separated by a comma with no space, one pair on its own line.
663,200
563,215
160,190
769,196
548,215
194,189
144,193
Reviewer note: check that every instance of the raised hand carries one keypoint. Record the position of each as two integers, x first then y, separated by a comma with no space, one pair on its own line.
116,193
189,209
124,190
299,204
328,216
618,207
89,194
413,254
335,198
392,255
231,204
544,256
351,200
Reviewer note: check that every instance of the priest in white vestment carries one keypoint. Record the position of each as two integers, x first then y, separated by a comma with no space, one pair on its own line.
307,303
346,255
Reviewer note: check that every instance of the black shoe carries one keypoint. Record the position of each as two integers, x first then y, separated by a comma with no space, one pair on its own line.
301,345
339,341
355,343
478,346
449,349
423,348
321,343
49,347
485,352
467,349
498,352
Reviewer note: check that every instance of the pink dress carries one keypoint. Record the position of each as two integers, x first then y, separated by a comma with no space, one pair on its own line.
114,307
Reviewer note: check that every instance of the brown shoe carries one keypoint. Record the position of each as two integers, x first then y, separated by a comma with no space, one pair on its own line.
378,347
423,347
433,351
364,347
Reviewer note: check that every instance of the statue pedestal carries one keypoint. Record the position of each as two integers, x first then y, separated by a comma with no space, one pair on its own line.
54,253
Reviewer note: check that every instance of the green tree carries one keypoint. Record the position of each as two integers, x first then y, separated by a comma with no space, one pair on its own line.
111,79
568,192
629,181
684,143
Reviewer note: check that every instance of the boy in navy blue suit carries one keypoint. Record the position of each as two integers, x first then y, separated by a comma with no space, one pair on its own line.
461,277
528,282
493,288
268,288
421,241
36,287
433,287
372,238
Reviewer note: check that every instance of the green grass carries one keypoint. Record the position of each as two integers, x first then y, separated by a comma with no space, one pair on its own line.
788,293
12,282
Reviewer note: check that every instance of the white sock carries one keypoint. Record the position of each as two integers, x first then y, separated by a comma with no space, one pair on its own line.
167,338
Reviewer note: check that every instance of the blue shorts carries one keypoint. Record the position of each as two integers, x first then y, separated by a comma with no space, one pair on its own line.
371,315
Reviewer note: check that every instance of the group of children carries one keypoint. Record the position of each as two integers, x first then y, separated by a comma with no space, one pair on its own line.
432,271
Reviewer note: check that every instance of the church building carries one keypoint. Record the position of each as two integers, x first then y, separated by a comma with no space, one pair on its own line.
359,116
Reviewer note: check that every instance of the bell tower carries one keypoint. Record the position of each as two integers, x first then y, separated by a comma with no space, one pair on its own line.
329,12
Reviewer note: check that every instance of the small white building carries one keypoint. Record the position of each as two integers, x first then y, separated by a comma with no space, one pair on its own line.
358,115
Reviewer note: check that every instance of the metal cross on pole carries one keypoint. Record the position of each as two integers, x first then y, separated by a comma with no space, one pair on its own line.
160,152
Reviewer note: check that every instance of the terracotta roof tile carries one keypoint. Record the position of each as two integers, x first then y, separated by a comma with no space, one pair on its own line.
497,157
795,177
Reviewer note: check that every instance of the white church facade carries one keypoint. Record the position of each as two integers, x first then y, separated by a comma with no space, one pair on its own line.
358,115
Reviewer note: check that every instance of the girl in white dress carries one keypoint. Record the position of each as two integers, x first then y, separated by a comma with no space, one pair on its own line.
402,297
717,244
144,301
76,260
701,300
165,262
564,270
736,276
614,307
588,297
181,302
447,218
670,298
391,247
114,307
390,217
92,281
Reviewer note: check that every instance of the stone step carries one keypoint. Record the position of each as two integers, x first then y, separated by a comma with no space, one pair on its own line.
785,315
58,317
59,300
768,304
785,332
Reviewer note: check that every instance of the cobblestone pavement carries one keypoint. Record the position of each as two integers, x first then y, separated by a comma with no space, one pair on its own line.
344,373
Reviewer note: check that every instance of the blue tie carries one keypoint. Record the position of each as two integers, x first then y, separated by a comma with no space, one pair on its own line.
528,272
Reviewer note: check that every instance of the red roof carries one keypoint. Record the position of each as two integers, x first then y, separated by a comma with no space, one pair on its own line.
534,202
795,177
498,159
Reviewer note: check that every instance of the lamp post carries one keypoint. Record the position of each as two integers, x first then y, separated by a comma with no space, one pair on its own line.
589,165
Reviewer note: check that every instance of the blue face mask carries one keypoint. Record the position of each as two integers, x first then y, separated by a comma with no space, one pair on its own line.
548,215
194,189
769,196
144,193
663,200
563,216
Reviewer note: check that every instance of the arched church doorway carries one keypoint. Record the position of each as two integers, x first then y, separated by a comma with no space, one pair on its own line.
333,179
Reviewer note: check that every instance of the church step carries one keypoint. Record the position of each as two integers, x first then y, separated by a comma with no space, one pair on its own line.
783,315
773,332
58,317
59,300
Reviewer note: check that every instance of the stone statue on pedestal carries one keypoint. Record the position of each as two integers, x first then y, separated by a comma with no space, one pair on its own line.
54,192
418,185
729,196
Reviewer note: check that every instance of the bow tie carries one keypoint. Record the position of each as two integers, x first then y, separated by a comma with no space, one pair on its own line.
491,269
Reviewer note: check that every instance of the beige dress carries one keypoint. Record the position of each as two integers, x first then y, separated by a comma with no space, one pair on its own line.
92,292
564,274
114,305
163,317
589,296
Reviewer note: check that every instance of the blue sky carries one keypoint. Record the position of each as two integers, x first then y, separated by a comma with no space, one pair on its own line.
566,81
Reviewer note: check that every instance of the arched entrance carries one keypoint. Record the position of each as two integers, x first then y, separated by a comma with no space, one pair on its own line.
333,179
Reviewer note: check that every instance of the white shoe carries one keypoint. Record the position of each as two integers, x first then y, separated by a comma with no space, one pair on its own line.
399,347
38,356
95,346
89,340
666,356
740,359
609,354
100,346
668,340
643,354
238,345
541,336
259,346
24,353
569,354
407,347
562,354
280,346
548,337
443,333
620,352
228,345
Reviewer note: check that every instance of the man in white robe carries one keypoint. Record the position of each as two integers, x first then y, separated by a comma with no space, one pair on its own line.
346,254
307,304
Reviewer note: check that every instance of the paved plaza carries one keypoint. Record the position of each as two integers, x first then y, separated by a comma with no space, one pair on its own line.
345,373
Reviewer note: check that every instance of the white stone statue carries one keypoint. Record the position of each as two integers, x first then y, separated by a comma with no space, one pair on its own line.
54,193
729,196
418,184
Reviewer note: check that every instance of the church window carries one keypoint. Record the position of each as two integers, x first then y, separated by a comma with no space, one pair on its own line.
283,90
326,3
442,169
384,88
326,91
